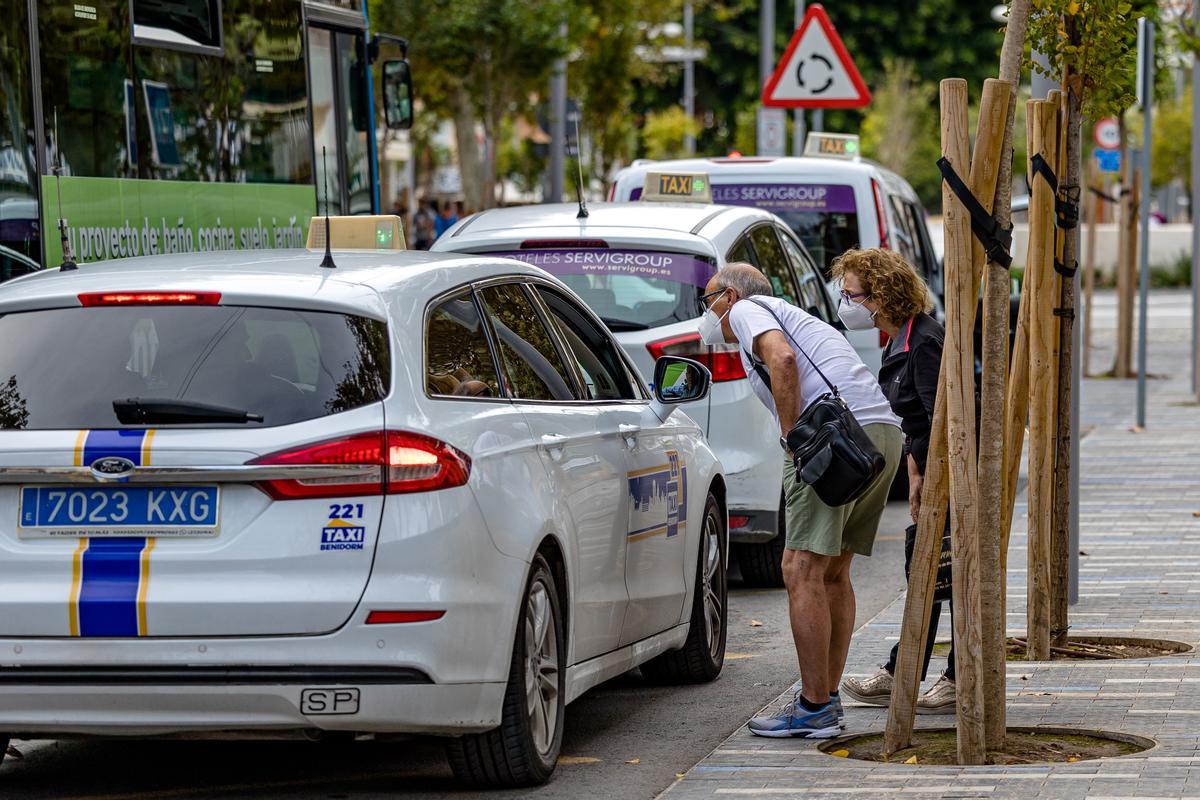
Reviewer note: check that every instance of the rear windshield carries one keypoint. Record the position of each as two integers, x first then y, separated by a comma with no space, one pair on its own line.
823,215
63,368
628,289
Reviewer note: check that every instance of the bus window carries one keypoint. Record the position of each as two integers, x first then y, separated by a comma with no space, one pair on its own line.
190,24
19,226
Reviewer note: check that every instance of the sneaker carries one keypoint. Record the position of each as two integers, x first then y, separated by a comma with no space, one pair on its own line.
939,699
874,691
836,699
794,720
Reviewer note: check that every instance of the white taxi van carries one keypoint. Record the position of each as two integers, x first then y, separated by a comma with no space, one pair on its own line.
245,492
831,198
641,267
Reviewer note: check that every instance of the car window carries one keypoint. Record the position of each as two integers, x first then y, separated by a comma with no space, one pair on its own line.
905,237
603,370
773,263
927,263
287,365
812,288
533,367
740,252
457,360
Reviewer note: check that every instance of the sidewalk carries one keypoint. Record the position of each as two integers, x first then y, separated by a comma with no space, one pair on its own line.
1140,577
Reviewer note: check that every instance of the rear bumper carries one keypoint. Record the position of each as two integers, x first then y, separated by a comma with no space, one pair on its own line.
761,526
147,709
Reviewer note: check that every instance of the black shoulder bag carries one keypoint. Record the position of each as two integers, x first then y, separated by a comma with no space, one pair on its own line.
830,450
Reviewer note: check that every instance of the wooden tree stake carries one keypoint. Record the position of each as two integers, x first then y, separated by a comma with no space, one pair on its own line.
1092,214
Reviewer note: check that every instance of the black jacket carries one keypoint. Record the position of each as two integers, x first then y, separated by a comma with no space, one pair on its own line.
909,377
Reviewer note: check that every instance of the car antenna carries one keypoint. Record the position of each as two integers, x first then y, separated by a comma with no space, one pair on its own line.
68,262
327,263
583,210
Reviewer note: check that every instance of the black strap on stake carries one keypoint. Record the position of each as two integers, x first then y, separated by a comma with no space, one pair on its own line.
995,239
1065,313
1066,197
1106,198
1064,270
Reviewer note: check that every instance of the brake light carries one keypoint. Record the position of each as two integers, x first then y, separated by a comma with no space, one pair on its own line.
405,462
723,361
93,299
880,213
556,244
394,617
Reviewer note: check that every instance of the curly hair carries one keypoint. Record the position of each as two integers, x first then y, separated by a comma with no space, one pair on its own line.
891,281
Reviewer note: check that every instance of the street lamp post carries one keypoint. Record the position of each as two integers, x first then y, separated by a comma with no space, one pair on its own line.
689,77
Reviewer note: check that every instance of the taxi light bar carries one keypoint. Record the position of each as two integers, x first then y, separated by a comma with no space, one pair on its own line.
94,299
359,232
831,145
677,187
408,462
723,361
395,617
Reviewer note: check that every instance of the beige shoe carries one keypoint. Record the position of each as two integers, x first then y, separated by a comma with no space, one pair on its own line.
939,699
874,691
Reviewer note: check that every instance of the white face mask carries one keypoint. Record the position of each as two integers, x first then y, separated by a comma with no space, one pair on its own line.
856,316
710,327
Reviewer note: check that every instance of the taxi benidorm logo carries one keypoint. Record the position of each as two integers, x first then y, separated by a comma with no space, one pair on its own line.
342,535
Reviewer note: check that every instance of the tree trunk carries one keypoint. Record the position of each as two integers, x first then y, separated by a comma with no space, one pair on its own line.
470,160
1068,182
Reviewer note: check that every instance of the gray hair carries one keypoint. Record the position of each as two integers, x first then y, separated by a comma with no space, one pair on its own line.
745,279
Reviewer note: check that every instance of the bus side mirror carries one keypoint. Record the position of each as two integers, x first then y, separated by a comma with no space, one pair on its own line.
397,94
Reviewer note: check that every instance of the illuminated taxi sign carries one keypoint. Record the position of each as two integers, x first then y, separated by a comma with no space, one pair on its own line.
679,187
832,145
383,232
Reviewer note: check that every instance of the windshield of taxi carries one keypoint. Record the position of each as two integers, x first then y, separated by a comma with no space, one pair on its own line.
281,364
628,289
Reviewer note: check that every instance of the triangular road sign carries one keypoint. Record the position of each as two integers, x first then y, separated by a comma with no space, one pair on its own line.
816,71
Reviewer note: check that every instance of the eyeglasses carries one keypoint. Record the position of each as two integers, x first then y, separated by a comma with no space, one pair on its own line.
851,296
702,302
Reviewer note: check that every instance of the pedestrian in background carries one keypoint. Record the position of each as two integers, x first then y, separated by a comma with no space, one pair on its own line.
882,290
447,218
424,231
821,540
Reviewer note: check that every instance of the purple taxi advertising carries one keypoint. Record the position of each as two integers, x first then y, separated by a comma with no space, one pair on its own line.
827,198
677,267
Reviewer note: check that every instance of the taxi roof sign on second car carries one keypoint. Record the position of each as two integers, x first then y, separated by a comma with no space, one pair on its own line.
679,187
359,232
831,145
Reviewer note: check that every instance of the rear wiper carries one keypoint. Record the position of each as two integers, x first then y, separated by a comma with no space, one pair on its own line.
624,325
158,411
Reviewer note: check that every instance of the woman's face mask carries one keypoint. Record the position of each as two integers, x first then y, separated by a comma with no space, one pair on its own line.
855,316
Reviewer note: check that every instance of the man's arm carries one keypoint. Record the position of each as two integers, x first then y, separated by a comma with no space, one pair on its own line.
772,348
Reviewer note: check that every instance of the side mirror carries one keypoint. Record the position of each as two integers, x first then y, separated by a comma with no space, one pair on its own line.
397,94
679,380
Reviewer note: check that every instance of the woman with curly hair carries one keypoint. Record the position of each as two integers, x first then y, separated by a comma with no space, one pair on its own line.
882,290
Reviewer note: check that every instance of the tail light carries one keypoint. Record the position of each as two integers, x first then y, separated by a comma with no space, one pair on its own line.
723,361
93,299
399,617
880,213
407,462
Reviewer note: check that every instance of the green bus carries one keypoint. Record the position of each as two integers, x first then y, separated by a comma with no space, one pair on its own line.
159,126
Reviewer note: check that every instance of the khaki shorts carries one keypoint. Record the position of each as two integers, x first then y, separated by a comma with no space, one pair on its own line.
817,528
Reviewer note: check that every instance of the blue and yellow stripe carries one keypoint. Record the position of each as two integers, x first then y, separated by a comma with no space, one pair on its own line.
110,576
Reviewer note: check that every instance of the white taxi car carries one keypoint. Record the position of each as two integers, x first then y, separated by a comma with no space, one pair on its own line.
240,492
831,198
642,267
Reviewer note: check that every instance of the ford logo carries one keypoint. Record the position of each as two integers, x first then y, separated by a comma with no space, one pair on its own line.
112,468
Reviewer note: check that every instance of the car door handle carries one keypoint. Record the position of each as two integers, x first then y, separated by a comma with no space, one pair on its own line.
629,434
554,443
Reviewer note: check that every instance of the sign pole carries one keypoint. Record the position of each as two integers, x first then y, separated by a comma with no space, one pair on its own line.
1146,89
798,113
689,78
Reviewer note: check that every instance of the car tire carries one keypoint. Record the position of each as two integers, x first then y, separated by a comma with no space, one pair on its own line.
761,563
523,750
703,653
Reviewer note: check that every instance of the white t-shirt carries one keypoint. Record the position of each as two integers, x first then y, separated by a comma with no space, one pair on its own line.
824,345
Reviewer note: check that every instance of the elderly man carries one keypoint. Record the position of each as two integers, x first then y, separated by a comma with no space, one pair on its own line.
821,540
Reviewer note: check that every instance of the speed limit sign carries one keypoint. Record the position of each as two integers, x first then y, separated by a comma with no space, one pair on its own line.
1107,134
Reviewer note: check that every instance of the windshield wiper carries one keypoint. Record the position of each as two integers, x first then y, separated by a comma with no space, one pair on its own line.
159,411
616,325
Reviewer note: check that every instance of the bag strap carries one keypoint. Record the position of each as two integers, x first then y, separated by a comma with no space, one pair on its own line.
795,344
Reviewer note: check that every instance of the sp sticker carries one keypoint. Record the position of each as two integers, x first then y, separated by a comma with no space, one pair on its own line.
329,701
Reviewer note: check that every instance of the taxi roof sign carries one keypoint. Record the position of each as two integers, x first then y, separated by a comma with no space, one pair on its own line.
678,187
382,232
832,145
